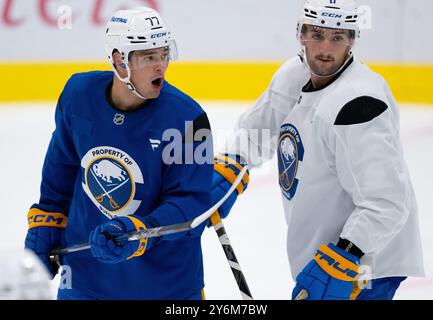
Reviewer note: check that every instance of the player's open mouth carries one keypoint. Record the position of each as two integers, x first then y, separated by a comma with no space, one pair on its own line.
157,82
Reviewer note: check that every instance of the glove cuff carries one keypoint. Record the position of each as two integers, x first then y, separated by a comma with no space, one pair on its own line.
135,224
350,247
38,218
222,165
337,263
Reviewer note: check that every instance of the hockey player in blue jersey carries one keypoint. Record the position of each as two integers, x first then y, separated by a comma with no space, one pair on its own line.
124,157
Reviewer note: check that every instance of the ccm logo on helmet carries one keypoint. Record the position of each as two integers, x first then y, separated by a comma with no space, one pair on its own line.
331,15
159,35
120,20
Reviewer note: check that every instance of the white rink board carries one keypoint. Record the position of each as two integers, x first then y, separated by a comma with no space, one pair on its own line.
256,225
208,30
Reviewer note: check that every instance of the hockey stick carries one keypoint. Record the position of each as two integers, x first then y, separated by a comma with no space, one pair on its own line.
231,257
158,231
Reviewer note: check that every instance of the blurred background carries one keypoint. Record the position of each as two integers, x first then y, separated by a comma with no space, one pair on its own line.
228,52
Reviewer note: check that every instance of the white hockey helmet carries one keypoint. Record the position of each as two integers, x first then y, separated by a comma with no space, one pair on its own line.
141,28
335,14
24,277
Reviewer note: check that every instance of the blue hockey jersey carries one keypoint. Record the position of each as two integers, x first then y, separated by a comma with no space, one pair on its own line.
102,162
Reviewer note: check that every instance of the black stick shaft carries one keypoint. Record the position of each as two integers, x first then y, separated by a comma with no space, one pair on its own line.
231,257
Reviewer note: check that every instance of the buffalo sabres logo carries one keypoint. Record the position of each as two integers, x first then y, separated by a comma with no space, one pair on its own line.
290,152
109,180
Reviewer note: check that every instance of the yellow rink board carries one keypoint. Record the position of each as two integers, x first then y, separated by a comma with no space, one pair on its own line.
41,81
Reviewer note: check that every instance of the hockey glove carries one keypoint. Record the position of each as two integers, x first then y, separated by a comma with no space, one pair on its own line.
46,232
226,170
106,248
331,275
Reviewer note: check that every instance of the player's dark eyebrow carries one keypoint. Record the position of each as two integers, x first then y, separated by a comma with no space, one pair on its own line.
149,52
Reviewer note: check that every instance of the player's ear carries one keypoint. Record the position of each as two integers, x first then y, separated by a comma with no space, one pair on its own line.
117,60
349,49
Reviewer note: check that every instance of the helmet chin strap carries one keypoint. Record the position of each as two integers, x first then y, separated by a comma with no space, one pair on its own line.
127,81
132,88
303,55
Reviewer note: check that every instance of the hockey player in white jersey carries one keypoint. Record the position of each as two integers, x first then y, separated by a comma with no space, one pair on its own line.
347,195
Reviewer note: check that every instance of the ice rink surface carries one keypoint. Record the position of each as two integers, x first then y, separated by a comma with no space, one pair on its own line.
256,225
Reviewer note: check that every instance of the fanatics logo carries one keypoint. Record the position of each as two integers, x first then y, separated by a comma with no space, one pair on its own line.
120,20
119,119
154,143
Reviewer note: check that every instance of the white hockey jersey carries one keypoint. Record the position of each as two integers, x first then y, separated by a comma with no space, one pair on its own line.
339,177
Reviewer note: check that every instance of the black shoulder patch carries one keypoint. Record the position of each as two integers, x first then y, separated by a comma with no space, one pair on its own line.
200,123
360,110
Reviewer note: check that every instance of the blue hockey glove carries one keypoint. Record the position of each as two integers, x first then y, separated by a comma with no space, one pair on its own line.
106,249
46,232
331,275
226,170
